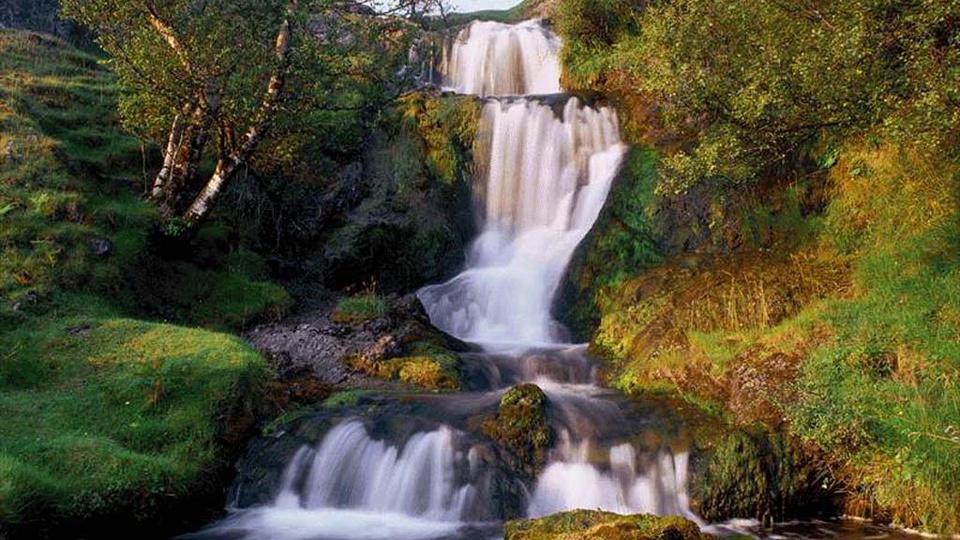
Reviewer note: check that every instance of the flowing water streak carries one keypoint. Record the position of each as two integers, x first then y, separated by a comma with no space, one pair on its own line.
351,470
495,59
547,175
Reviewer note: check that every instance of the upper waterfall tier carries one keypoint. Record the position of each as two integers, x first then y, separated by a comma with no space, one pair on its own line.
494,59
544,178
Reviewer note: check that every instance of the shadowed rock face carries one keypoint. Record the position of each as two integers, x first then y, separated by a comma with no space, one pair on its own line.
40,16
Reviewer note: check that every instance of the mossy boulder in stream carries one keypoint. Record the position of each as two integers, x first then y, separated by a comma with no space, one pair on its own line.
520,427
757,474
597,525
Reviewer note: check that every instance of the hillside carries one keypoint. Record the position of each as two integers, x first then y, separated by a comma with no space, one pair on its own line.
782,246
106,419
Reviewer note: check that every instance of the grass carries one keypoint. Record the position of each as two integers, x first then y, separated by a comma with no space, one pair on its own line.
359,308
104,414
863,364
105,418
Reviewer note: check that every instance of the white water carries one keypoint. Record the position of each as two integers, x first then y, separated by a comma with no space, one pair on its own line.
494,59
546,171
546,179
351,470
621,486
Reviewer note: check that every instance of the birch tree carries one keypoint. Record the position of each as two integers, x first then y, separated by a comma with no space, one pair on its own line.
208,79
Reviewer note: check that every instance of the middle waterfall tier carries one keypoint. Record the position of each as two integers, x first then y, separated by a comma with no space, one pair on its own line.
544,173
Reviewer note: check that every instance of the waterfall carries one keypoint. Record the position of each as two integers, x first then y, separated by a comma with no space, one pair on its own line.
545,166
351,470
494,59
546,177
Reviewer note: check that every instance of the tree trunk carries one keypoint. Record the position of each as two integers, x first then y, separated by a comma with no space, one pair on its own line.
227,166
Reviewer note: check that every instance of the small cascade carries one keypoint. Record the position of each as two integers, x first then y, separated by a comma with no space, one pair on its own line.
351,470
495,59
546,177
623,482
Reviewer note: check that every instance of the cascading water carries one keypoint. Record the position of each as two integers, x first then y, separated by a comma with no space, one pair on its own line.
546,164
494,59
546,178
545,175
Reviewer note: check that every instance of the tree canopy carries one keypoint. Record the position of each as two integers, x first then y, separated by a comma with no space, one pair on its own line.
206,79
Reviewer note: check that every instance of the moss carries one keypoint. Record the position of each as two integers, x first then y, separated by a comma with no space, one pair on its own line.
412,227
597,525
437,372
132,414
781,483
521,428
623,242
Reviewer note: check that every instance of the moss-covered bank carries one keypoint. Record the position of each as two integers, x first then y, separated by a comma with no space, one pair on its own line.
114,415
797,277
596,525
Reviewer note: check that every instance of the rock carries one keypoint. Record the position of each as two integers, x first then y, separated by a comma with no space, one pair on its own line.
520,427
100,247
385,347
340,349
597,525
30,298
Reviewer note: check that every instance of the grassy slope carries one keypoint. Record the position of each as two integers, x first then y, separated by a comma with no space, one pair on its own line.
842,328
102,415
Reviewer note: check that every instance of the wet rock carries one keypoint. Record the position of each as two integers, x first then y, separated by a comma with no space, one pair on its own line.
597,525
521,428
350,350
757,474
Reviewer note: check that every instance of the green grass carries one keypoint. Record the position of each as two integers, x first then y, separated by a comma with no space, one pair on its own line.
359,308
105,414
886,394
102,414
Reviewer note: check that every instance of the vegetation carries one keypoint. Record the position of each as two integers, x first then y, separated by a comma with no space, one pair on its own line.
359,309
808,155
593,524
521,427
102,414
107,415
221,75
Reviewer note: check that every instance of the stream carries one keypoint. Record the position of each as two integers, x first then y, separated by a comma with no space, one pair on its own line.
414,468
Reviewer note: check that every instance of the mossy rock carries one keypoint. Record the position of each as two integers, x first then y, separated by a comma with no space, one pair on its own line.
593,524
757,474
427,372
520,427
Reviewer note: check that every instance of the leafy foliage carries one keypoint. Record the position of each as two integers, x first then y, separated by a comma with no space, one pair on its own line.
738,88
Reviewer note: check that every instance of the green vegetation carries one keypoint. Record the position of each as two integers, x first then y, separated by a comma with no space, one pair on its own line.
359,309
806,209
107,415
417,217
102,414
521,427
596,525
431,368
